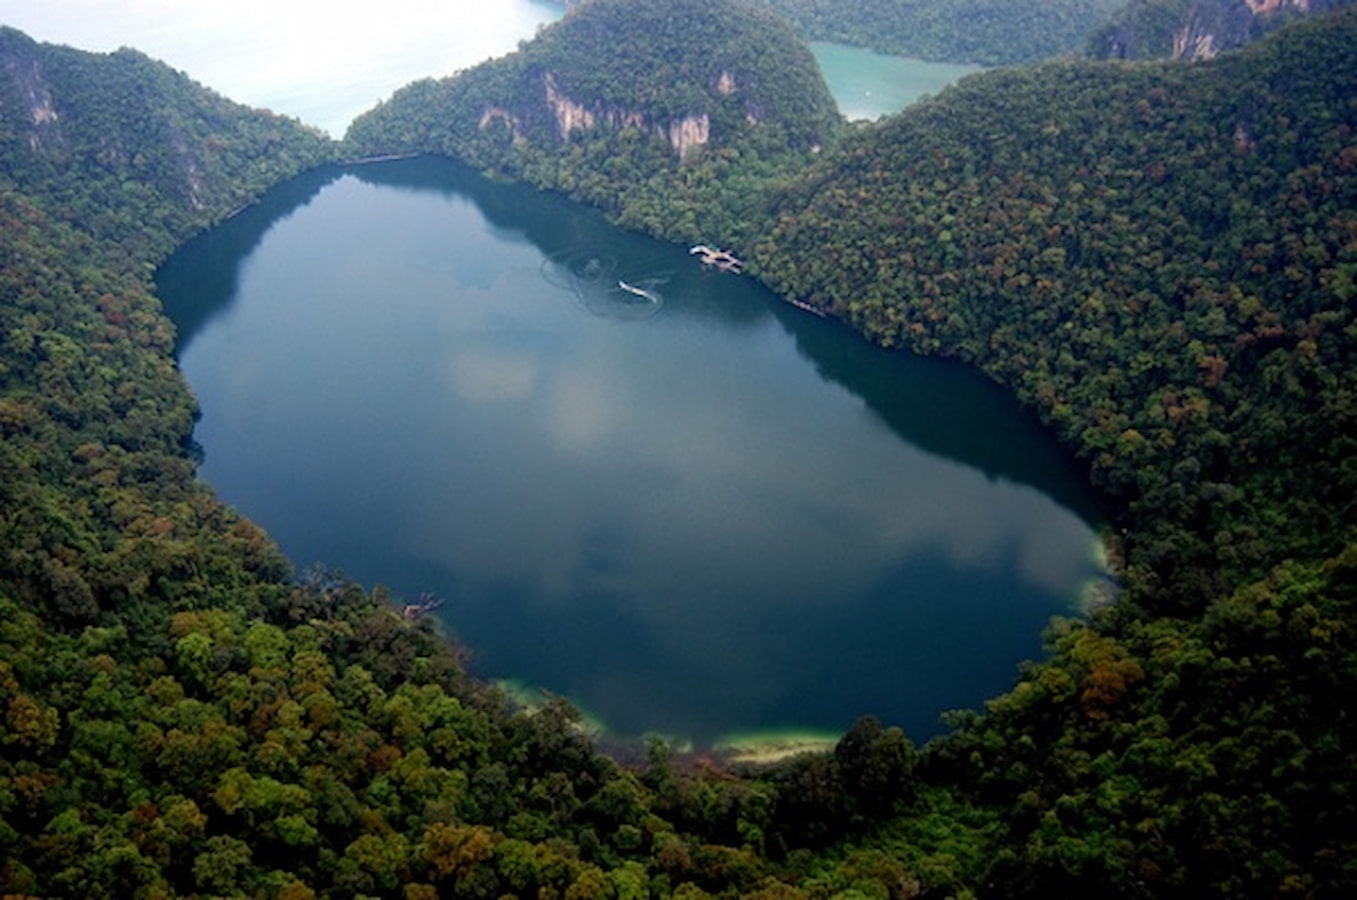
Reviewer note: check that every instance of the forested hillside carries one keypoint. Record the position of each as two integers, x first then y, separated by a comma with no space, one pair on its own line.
109,162
646,108
1159,259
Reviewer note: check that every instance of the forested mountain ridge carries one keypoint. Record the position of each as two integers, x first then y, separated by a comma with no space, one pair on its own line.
637,106
1160,259
109,162
104,117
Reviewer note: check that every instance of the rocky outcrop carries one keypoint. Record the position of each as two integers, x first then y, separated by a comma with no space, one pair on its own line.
33,97
569,114
683,134
689,132
1197,29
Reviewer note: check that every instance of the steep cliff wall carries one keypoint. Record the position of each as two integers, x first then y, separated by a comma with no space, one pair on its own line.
1196,29
683,134
689,72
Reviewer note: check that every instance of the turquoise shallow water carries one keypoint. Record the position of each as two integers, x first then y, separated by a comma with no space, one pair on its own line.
869,85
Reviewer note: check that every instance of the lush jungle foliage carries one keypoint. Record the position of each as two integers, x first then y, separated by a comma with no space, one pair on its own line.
597,106
990,32
1160,260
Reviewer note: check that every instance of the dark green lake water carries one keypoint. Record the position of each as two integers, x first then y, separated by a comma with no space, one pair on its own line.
695,511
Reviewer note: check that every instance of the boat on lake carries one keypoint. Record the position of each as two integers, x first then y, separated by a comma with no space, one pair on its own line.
632,289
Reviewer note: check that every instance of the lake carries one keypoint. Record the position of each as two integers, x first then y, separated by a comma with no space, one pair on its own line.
655,489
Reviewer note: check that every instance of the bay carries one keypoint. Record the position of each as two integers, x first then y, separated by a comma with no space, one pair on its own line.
692,510
868,85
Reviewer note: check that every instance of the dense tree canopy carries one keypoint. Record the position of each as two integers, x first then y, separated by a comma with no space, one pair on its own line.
1159,259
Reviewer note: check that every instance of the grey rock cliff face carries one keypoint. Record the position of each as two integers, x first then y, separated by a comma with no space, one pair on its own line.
1198,29
27,95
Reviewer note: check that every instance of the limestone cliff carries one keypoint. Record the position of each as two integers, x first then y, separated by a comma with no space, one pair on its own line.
690,73
673,95
1196,29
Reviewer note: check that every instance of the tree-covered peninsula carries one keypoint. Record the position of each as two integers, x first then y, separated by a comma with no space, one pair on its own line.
649,109
1159,258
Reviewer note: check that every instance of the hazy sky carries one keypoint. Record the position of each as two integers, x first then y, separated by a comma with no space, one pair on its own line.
321,62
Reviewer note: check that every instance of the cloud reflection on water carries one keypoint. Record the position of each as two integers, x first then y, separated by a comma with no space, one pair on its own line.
690,514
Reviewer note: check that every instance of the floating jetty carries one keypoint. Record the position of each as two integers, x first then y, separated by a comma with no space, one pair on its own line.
803,305
721,259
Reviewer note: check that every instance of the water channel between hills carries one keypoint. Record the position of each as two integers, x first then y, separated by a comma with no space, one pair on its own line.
689,507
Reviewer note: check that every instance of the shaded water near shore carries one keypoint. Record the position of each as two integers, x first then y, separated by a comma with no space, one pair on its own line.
693,511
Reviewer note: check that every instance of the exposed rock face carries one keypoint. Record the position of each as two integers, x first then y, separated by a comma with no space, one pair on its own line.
494,114
34,95
1266,6
689,132
1190,44
683,134
1208,27
569,114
